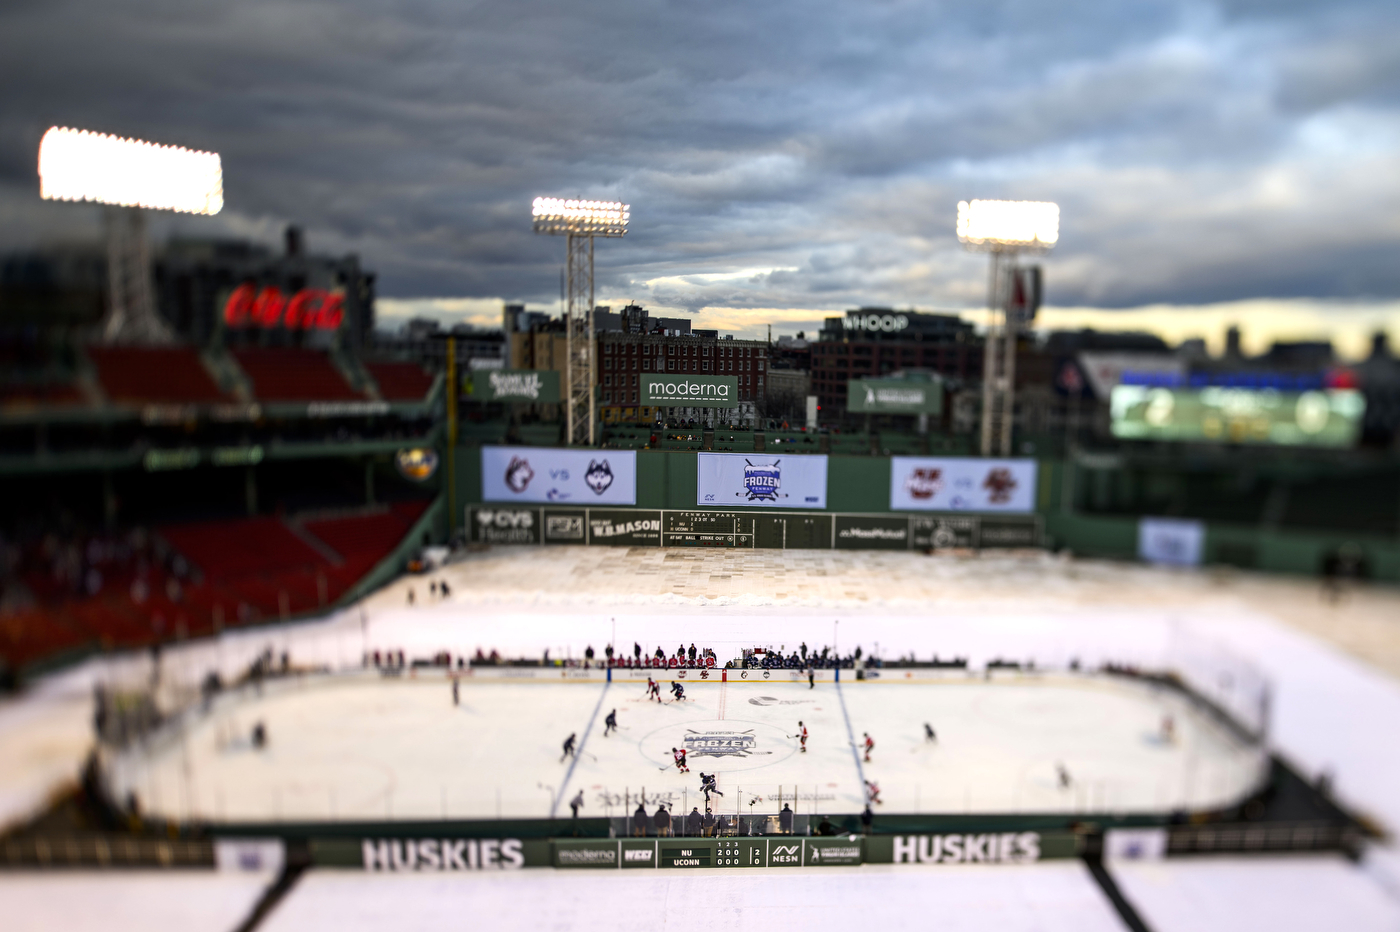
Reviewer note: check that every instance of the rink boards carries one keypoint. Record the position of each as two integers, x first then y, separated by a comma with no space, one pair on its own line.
370,746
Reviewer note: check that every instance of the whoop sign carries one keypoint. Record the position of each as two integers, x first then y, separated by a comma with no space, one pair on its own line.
308,309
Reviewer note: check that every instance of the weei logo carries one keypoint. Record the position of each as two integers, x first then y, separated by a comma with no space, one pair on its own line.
762,482
447,854
637,854
1005,847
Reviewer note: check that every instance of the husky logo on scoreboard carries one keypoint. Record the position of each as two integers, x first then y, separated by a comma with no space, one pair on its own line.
763,481
599,476
996,848
720,743
447,854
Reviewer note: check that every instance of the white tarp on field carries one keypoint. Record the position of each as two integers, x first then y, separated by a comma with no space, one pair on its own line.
962,483
538,474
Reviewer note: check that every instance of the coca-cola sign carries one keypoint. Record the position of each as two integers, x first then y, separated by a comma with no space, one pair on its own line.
311,308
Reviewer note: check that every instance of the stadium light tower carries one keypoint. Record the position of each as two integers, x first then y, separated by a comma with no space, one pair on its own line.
1006,229
129,177
579,221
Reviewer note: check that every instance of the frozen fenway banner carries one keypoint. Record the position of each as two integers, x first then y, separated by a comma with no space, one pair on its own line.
541,474
760,481
748,529
946,483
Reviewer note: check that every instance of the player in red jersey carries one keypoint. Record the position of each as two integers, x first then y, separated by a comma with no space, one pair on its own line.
802,734
869,745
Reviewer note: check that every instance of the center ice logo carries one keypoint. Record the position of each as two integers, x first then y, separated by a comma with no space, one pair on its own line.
762,481
720,743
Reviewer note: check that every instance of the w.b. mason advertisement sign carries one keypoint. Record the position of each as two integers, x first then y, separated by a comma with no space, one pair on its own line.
663,389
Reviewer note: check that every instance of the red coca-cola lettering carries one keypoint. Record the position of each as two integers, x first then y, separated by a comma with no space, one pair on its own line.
268,307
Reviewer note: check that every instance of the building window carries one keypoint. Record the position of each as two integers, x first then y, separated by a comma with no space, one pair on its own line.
607,380
607,397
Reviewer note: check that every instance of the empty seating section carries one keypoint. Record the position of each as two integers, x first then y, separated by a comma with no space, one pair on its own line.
400,381
52,393
280,374
242,571
161,375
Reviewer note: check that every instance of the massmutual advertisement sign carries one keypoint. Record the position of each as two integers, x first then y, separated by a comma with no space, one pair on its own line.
760,481
894,396
694,391
537,386
541,474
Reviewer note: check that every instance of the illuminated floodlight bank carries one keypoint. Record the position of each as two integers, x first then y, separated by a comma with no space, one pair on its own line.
573,215
1027,224
77,165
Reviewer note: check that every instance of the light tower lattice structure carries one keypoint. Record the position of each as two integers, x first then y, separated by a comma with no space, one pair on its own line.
1006,229
129,177
579,221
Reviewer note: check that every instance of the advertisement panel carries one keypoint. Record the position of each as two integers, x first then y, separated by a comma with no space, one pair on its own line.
1174,541
871,532
503,525
537,386
541,474
894,396
757,480
661,389
565,526
624,528
1321,418
948,483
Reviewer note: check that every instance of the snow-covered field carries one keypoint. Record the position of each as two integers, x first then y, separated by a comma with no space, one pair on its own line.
362,746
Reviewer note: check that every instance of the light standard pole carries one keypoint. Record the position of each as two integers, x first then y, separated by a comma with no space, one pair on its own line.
579,221
1006,229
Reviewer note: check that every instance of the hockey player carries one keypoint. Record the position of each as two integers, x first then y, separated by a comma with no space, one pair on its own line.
811,677
1063,776
456,699
707,786
678,755
653,690
928,733
678,691
872,793
802,736
568,746
610,723
576,803
869,745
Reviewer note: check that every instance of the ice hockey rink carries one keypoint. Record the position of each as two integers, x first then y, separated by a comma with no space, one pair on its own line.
1331,668
369,746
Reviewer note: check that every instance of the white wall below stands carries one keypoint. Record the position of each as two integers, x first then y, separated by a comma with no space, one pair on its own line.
1051,897
128,901
1224,894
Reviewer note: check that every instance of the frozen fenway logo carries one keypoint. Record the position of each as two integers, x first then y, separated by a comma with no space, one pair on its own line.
1009,847
720,743
762,481
447,854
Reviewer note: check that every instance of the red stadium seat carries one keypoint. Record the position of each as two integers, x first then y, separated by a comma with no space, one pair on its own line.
400,381
160,375
289,374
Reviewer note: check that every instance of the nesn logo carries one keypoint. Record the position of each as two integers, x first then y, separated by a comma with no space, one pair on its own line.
637,854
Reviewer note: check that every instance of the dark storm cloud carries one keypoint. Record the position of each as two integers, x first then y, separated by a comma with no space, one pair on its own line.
1201,152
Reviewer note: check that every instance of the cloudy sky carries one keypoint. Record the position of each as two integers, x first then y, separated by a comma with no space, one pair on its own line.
1214,162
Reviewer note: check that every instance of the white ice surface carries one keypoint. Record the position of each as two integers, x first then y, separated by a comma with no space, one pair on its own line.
127,901
1278,893
1050,897
363,746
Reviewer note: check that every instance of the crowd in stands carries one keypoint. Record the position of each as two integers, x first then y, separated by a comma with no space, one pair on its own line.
141,586
803,659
